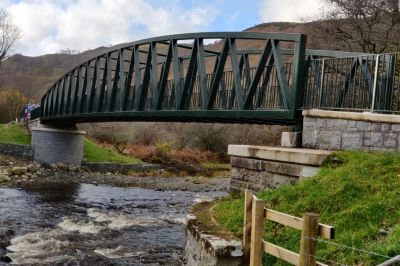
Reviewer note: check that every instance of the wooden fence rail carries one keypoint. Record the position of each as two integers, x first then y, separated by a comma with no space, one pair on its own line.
254,245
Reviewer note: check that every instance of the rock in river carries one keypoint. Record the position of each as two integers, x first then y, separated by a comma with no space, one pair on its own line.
32,168
4,178
19,170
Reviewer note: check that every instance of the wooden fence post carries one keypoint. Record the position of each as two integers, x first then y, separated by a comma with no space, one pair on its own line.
248,198
308,242
257,231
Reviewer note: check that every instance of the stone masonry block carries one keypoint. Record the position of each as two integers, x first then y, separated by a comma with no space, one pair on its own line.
373,139
376,139
390,140
309,138
337,124
364,126
377,127
398,142
309,122
352,140
352,125
322,123
396,128
329,140
386,127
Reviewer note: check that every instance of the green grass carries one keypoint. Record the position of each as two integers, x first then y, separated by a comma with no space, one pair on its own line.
14,133
95,153
359,198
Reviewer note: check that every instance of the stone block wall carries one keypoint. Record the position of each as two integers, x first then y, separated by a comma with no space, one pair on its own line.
255,174
261,167
16,150
203,248
347,133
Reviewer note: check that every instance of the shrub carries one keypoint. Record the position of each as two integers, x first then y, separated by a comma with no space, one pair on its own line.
163,151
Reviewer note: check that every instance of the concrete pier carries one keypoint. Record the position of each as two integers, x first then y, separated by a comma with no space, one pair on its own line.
54,145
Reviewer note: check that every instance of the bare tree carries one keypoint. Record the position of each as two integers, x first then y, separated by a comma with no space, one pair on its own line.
371,26
9,34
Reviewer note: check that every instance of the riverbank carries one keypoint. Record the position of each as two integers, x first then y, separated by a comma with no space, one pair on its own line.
64,174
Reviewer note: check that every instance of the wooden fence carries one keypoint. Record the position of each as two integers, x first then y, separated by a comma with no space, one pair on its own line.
254,245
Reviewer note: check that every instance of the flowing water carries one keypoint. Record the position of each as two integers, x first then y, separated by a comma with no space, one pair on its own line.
83,224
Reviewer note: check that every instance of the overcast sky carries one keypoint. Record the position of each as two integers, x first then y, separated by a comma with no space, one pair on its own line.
49,26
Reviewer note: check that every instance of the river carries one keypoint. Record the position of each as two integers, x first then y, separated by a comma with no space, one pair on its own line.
85,224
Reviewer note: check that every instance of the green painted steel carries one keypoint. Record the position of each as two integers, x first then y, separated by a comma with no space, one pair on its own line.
181,78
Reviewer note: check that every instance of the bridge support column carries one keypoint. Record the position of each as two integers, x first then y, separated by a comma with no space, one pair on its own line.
57,144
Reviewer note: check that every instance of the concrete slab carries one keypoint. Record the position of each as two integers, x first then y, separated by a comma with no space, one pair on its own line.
280,154
365,116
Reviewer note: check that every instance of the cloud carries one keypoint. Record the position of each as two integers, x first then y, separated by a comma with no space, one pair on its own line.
49,26
289,10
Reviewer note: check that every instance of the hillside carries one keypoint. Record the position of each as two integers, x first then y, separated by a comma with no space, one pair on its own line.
356,192
34,75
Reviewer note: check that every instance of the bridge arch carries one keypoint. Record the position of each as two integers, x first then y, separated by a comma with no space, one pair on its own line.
181,78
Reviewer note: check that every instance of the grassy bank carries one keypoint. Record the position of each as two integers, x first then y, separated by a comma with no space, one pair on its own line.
14,133
17,134
360,197
95,153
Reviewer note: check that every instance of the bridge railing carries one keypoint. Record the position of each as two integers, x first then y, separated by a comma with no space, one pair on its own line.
358,83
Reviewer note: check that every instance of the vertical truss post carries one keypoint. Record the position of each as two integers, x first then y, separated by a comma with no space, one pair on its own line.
164,77
202,73
375,83
177,73
266,80
84,89
108,91
390,64
248,104
282,75
236,73
298,80
128,95
62,99
321,83
101,101
92,94
68,103
146,82
154,75
218,73
113,90
76,90
138,78
58,95
190,74
121,88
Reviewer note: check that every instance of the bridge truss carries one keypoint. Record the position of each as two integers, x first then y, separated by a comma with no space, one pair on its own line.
183,78
245,77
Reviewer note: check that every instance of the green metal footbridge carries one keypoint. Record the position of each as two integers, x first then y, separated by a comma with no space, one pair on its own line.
241,77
